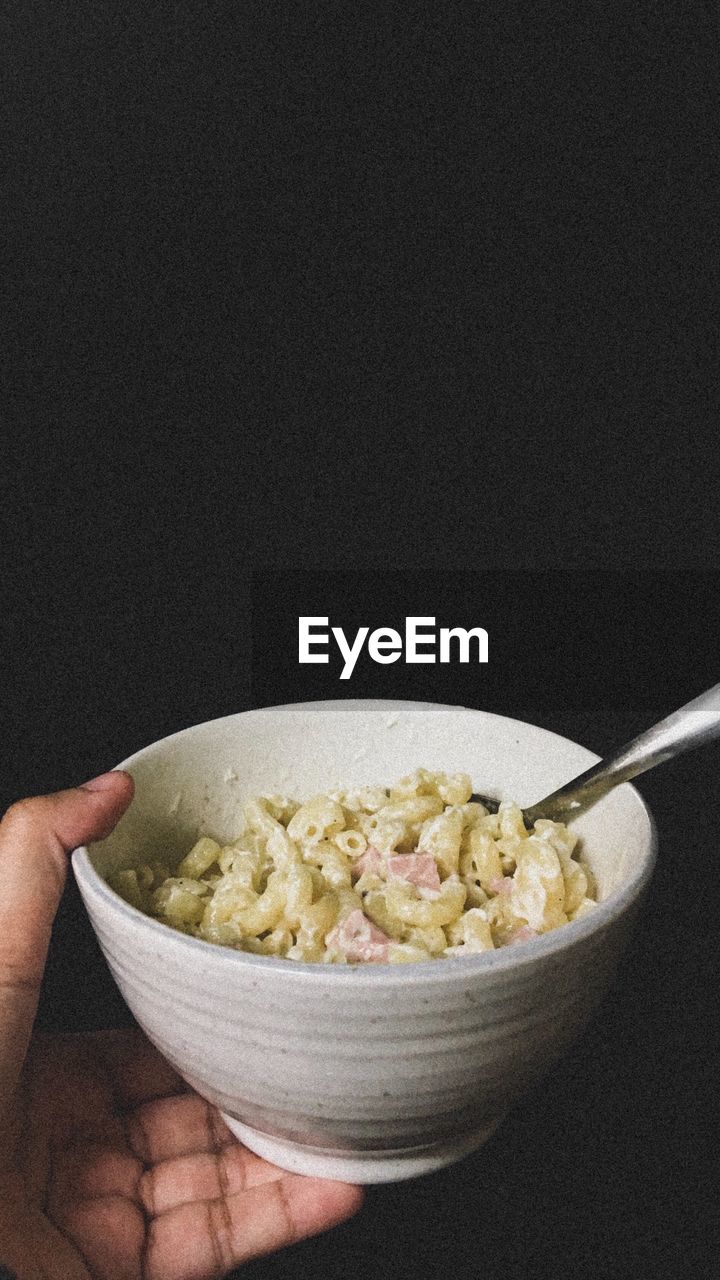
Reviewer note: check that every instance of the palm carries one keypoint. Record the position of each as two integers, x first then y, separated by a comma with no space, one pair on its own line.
119,1172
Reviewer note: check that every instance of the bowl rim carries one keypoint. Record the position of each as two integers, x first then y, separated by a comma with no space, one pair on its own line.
503,958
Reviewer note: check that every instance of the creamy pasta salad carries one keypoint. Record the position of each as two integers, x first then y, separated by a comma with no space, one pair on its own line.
396,874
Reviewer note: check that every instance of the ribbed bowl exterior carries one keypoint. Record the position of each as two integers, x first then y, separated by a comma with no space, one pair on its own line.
364,1058
337,1060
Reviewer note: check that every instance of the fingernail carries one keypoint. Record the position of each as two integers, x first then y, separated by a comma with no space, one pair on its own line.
103,782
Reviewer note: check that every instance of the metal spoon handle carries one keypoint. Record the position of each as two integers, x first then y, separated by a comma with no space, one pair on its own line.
691,726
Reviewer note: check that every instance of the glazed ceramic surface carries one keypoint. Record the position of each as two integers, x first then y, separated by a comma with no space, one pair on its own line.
369,1072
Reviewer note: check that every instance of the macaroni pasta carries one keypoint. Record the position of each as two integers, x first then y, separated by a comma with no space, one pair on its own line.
412,872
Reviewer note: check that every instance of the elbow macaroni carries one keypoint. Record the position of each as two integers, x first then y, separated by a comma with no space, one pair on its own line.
316,881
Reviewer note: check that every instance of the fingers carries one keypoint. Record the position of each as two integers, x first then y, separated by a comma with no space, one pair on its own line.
204,1241
86,1170
35,836
178,1126
213,1204
109,1232
205,1176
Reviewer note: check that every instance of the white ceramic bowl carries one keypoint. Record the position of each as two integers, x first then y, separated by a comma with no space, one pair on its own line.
366,1073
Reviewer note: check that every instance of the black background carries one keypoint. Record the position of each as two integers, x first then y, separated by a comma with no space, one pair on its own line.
314,285
370,314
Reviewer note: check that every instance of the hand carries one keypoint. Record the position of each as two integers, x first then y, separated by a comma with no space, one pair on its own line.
110,1167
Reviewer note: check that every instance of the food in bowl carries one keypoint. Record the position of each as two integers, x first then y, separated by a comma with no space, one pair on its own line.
362,1072
412,872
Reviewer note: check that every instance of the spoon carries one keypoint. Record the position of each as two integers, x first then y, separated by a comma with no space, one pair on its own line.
693,725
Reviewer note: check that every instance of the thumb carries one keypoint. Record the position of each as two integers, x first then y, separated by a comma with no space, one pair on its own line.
35,837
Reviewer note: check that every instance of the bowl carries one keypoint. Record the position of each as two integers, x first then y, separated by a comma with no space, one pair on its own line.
365,1073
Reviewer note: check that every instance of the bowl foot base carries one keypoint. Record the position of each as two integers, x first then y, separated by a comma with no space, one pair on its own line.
360,1167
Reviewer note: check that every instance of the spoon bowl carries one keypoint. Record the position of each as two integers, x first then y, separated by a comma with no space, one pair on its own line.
690,726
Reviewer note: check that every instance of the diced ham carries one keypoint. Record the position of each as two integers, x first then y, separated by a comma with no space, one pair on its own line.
419,869
359,939
501,884
370,860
